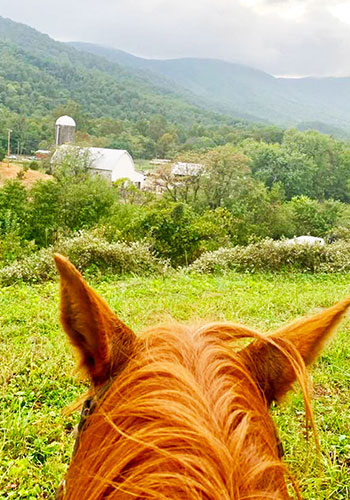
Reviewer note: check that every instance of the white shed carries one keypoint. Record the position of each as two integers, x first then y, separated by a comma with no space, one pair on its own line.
181,169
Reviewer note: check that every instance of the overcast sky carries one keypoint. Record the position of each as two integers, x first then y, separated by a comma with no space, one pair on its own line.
282,37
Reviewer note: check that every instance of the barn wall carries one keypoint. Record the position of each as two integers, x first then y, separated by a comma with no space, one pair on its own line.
106,174
124,168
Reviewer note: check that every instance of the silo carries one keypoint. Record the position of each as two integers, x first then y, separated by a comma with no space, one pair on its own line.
65,130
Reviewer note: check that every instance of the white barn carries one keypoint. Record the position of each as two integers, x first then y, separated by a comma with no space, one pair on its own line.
112,164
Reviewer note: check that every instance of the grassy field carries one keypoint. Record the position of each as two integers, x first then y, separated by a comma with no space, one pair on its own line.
37,380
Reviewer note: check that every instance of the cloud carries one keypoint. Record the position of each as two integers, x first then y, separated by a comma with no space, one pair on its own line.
292,37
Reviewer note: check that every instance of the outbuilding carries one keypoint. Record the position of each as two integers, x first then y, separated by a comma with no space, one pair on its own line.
112,164
181,169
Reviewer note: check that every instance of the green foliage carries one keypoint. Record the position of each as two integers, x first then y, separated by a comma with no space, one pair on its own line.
45,208
219,178
34,268
272,163
34,165
83,204
220,204
172,231
88,253
70,163
226,171
330,159
67,205
311,217
272,256
13,247
215,228
13,208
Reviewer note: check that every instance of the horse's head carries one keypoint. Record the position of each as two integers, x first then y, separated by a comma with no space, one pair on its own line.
181,412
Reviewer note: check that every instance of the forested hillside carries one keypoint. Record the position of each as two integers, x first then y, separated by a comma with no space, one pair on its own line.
41,78
152,108
38,73
320,103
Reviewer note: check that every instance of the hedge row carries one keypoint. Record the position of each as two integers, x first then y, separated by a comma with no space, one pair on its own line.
87,252
273,256
98,256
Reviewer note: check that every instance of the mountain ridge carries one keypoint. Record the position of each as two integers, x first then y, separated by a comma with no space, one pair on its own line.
39,74
50,72
236,88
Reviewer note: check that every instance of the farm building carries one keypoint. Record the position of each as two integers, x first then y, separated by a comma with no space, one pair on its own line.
181,169
112,164
42,153
65,130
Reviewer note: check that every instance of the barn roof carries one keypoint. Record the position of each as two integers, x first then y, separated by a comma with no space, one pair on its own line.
106,159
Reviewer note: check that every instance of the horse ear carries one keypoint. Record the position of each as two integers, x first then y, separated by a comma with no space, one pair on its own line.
103,342
304,338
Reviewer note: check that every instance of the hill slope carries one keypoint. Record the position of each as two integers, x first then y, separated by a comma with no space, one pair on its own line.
240,90
38,74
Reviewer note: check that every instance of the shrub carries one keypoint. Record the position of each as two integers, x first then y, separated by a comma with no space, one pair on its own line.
88,253
67,206
171,230
313,217
13,247
13,207
33,165
86,250
34,268
272,256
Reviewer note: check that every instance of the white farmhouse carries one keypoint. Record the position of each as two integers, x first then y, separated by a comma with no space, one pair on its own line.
112,164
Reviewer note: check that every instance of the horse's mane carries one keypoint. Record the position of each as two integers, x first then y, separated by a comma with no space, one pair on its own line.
184,420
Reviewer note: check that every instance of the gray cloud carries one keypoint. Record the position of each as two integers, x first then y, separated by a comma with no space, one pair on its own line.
315,43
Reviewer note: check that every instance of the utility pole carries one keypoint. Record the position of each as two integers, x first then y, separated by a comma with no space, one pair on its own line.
8,142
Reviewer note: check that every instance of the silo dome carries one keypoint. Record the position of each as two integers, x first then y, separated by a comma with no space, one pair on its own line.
65,130
65,121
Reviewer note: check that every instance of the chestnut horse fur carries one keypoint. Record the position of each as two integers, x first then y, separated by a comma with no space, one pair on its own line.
182,412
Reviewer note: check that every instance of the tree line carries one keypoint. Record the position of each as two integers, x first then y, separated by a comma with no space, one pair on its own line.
243,192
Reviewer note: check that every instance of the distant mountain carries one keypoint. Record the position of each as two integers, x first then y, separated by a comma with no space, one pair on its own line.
37,74
243,91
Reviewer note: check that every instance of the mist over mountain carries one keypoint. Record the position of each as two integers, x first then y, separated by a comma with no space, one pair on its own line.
321,103
39,74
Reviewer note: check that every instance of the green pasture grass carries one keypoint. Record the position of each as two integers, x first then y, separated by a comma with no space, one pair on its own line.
144,165
37,380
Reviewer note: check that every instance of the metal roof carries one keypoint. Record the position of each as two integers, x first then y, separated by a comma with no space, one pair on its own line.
102,159
186,169
106,159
